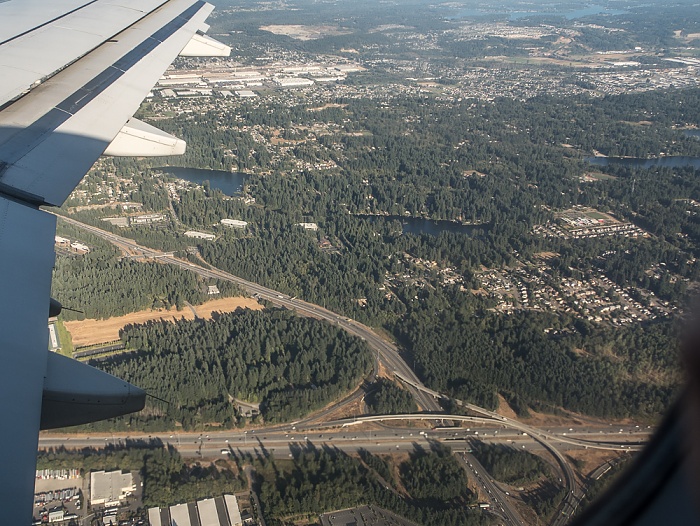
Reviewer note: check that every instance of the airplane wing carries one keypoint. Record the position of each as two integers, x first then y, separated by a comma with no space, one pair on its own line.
72,73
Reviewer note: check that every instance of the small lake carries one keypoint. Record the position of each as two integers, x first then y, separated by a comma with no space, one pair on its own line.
230,183
679,161
418,225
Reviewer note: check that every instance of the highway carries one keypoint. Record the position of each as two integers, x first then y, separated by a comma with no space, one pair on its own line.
377,434
387,352
498,501
388,355
280,439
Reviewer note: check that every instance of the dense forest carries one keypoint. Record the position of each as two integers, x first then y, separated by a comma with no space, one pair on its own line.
585,368
324,480
101,285
499,165
389,398
542,492
508,465
287,364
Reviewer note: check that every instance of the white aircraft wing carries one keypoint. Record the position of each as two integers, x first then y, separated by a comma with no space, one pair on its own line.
72,73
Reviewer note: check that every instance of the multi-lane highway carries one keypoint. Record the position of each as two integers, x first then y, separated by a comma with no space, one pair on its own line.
388,355
387,352
500,505
346,435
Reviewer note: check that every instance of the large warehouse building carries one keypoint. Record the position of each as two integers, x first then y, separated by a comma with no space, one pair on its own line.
220,511
109,489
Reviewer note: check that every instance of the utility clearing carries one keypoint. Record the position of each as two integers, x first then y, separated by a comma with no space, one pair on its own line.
91,332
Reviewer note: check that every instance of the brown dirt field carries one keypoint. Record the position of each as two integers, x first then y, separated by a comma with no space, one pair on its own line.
504,408
383,372
91,332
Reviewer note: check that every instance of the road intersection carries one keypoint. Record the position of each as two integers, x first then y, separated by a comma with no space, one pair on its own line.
388,355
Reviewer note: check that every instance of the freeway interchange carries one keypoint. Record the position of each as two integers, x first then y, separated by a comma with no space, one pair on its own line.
351,435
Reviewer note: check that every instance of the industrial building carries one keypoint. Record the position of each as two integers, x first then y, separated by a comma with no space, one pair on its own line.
234,223
219,511
110,489
148,219
292,82
200,235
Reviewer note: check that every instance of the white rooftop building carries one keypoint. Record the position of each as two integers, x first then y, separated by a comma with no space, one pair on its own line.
234,223
180,515
154,517
292,82
109,489
200,235
207,513
234,513
80,247
246,93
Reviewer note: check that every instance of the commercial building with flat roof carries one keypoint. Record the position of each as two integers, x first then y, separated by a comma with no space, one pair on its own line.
234,513
180,515
109,489
200,235
207,513
235,223
154,517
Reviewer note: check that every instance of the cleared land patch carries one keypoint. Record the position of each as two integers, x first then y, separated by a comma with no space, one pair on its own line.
91,332
299,32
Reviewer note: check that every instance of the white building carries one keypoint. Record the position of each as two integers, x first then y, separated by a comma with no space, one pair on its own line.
56,515
180,515
200,235
208,515
80,247
246,93
234,513
309,226
234,223
154,517
109,489
293,82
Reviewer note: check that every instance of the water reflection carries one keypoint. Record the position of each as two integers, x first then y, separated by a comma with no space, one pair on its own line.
230,183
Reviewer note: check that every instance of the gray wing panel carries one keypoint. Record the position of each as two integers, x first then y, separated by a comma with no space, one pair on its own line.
39,38
26,262
51,137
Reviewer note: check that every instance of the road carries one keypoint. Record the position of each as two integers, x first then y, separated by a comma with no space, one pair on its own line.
280,439
387,353
497,499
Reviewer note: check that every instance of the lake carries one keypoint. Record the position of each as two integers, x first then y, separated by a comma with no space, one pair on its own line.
678,161
418,225
230,183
